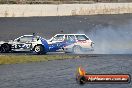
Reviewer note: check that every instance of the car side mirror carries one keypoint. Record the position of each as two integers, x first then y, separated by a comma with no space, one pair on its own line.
37,39
18,40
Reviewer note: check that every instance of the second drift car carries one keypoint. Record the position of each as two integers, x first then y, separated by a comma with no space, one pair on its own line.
39,45
74,43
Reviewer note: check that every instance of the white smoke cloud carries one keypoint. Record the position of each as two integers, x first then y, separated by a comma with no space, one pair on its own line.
111,40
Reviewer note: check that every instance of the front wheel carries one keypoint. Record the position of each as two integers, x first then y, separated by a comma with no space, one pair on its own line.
39,49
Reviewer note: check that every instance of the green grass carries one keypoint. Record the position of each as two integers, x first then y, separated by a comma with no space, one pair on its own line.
15,59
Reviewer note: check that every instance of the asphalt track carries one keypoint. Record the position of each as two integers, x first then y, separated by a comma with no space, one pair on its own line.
61,73
11,28
111,34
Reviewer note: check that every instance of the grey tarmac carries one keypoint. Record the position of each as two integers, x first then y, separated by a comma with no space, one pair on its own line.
61,73
111,34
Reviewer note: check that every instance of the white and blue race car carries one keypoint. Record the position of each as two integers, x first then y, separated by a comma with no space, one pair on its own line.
39,45
74,43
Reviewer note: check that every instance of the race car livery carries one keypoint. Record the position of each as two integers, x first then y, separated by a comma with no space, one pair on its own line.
72,42
39,45
25,43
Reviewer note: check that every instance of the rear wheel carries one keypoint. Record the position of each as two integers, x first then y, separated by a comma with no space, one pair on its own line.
5,48
77,49
39,49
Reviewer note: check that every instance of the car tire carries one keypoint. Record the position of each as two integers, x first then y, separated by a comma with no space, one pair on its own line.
39,49
5,48
77,49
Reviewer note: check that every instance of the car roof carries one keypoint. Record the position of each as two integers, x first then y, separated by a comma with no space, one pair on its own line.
27,35
70,34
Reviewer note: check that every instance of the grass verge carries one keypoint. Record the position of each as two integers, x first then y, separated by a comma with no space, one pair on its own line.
15,59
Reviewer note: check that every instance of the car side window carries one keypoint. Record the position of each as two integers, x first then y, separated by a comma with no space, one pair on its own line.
81,37
25,39
58,38
71,37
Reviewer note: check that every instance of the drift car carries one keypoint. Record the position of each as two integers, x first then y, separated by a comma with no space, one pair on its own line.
75,43
25,43
39,45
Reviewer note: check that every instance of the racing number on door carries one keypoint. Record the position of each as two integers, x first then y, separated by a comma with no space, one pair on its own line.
24,46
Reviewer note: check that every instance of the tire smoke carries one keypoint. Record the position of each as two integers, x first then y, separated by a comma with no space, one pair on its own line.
112,40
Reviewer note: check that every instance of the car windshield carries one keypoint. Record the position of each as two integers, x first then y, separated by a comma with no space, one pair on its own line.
36,38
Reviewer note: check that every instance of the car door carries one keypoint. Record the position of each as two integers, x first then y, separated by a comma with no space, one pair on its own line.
23,43
70,41
56,43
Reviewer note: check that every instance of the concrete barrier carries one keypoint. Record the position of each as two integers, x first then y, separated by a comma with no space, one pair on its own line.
27,10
